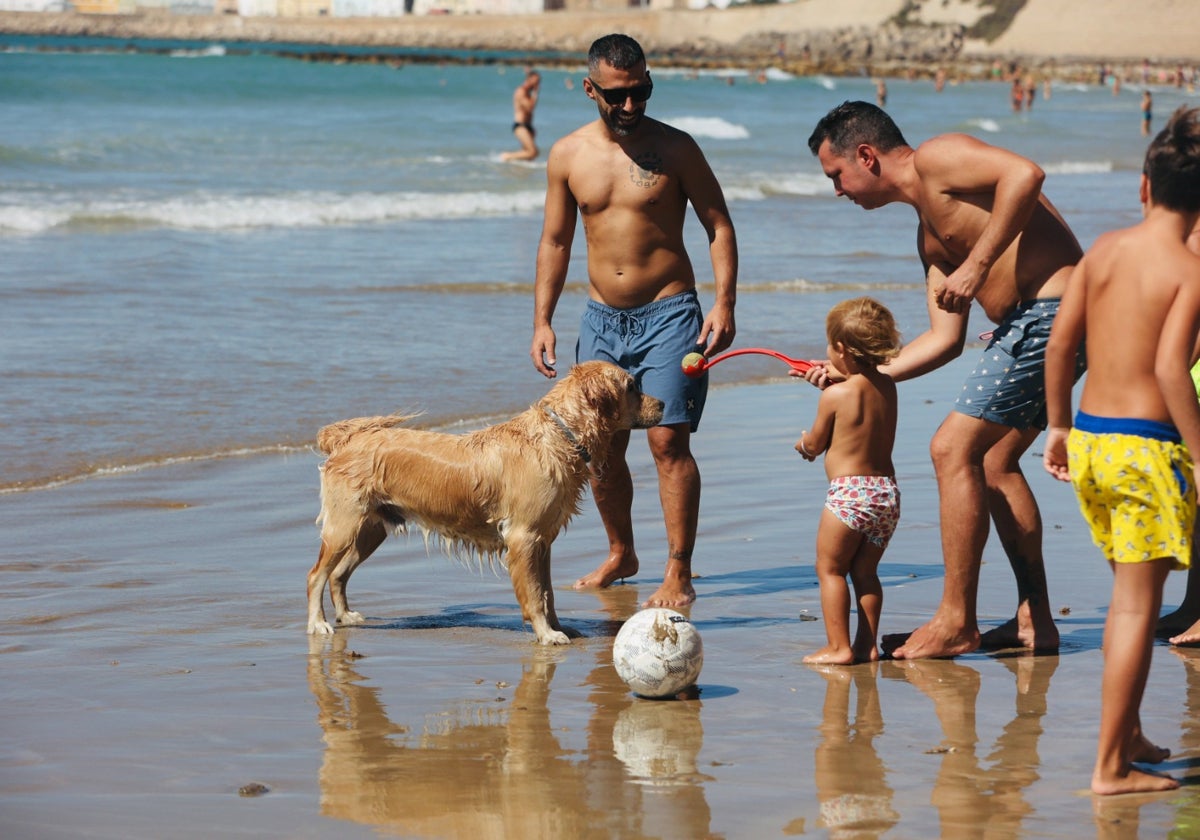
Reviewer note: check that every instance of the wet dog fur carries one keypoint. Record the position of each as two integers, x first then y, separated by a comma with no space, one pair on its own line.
504,492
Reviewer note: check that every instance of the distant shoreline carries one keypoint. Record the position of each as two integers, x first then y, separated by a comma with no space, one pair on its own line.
747,38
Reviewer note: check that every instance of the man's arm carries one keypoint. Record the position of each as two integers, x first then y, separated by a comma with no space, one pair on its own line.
704,192
941,343
554,253
1065,337
958,163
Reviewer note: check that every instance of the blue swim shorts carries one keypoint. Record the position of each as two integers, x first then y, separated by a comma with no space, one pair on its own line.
1008,386
650,342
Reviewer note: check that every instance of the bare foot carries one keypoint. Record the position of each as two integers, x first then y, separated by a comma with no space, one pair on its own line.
931,641
1190,636
612,569
1023,631
672,594
676,589
1131,781
1174,624
1144,752
868,653
830,655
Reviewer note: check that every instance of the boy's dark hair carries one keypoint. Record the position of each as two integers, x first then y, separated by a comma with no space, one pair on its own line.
621,51
853,123
1173,162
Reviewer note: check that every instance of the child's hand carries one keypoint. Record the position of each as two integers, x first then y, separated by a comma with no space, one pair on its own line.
820,374
800,447
1054,458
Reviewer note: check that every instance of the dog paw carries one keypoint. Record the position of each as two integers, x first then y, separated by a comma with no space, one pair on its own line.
320,628
351,617
553,637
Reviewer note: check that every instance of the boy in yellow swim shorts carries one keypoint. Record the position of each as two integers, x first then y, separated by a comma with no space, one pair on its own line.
1138,410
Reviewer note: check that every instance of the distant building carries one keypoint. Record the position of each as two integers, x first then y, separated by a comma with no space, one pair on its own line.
33,5
335,8
371,8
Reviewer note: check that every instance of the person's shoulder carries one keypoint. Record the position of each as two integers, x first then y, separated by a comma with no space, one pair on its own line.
944,149
666,133
570,144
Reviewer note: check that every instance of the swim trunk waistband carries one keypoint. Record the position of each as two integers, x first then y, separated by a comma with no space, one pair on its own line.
1152,429
654,307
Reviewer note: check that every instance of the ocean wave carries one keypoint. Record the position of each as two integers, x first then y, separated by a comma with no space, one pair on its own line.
801,286
211,51
208,211
579,287
985,124
713,127
149,464
1078,167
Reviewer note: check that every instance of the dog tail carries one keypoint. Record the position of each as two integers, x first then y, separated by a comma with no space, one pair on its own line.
333,437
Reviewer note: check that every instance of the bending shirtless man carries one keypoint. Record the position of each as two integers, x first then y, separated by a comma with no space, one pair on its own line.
985,233
525,99
631,178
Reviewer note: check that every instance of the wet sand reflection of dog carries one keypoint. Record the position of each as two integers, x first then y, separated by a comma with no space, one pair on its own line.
491,770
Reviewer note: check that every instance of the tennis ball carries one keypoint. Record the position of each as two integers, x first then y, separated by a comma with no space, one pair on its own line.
693,365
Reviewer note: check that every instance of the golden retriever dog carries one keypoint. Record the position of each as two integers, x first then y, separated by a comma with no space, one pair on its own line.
503,492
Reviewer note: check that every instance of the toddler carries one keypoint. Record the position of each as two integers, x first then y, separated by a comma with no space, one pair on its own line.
855,428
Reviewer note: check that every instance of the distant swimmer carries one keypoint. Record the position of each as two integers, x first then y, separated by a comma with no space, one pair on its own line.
524,101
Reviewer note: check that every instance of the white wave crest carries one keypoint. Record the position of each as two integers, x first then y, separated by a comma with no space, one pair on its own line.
1078,167
985,124
211,51
296,210
713,127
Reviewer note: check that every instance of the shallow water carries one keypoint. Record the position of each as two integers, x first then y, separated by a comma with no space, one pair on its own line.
206,253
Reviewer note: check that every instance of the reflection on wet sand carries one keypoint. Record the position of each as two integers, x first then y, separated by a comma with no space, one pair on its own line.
850,777
965,794
1119,817
501,771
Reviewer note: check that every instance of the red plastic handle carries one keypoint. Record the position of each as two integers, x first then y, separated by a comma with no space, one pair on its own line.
801,365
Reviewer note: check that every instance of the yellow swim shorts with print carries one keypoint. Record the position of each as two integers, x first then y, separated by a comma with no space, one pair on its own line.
1134,483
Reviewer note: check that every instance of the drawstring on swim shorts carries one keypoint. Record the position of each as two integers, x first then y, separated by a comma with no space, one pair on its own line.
628,326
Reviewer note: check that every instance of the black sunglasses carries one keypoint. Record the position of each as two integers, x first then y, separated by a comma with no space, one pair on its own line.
616,96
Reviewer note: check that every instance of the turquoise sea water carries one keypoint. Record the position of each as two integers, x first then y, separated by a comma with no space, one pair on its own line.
206,252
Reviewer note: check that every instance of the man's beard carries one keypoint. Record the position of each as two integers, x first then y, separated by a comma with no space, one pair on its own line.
622,128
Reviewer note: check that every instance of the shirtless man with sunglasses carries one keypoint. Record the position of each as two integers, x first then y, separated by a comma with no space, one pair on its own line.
631,178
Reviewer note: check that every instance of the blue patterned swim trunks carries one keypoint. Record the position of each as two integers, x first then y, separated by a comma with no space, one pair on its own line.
1008,385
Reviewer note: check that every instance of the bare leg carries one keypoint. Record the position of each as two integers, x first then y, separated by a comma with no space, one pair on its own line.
1182,626
1019,526
1128,639
868,597
836,545
529,149
958,449
679,492
613,492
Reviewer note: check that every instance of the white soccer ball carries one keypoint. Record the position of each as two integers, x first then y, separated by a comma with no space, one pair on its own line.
658,653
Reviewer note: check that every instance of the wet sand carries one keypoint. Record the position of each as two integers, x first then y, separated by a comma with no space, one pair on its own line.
156,663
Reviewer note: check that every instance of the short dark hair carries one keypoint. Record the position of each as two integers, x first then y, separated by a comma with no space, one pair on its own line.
1173,162
853,123
620,51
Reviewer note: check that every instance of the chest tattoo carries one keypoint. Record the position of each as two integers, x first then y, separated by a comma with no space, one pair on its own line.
646,170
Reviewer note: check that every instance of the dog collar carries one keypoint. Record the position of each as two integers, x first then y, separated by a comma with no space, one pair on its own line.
579,447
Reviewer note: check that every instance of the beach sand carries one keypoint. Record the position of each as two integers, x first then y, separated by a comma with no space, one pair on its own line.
156,664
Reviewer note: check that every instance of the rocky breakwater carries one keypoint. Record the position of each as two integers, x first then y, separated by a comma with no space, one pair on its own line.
852,50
